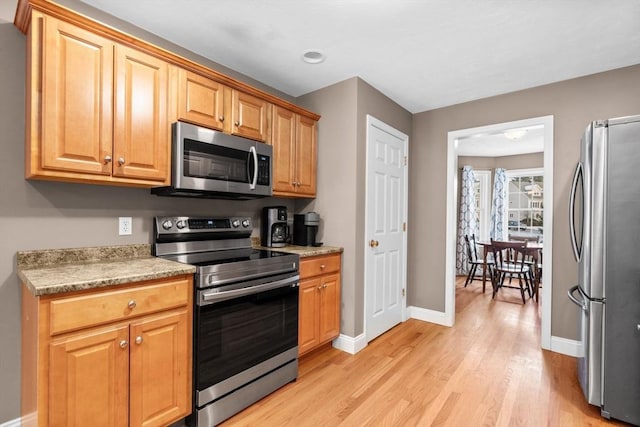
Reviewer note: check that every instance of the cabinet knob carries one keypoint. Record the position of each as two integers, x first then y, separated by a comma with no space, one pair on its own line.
237,123
319,288
138,340
322,266
107,159
132,304
324,286
123,344
221,118
121,161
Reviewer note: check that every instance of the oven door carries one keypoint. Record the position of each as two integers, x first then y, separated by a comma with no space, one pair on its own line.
205,160
243,332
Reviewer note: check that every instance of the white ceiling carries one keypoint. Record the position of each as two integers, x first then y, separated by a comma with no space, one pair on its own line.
422,54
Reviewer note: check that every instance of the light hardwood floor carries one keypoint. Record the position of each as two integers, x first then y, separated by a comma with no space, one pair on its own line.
488,370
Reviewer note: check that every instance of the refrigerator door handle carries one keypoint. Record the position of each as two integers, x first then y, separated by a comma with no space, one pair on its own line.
577,251
579,302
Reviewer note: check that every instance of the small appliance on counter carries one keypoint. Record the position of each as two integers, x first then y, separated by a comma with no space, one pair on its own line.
274,230
305,228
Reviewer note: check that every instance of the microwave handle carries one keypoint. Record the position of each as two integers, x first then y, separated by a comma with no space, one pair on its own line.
252,151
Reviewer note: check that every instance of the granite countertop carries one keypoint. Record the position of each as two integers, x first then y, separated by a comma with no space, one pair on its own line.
47,272
303,251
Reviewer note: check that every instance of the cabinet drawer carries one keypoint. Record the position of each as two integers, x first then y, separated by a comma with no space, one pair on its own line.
314,266
70,313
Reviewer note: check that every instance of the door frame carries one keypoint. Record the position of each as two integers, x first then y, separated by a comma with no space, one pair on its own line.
452,217
372,121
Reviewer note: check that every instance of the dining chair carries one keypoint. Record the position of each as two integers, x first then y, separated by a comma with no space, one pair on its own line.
510,260
475,260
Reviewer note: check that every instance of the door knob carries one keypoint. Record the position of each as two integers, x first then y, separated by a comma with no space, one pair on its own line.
374,243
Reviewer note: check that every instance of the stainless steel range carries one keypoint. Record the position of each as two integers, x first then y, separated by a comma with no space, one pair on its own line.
245,315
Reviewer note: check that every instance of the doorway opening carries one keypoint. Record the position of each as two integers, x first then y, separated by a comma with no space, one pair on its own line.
545,123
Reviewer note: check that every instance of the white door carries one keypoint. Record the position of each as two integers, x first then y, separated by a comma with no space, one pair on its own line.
385,223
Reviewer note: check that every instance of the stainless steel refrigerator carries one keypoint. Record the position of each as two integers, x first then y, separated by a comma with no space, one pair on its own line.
605,234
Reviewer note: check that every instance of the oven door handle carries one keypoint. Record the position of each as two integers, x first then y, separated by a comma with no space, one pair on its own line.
212,296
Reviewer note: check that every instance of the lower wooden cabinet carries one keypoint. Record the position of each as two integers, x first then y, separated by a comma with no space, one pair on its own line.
129,368
319,303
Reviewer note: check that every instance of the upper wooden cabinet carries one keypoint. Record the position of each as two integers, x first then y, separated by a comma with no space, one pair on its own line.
201,100
294,141
250,116
97,110
205,102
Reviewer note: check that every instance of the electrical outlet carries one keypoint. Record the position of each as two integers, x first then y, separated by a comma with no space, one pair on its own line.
124,226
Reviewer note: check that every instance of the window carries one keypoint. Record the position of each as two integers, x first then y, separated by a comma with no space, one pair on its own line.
525,191
483,202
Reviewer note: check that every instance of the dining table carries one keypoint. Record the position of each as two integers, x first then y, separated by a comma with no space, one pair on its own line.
533,249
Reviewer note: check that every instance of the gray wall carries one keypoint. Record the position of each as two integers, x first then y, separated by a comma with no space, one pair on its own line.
341,178
521,161
44,215
573,103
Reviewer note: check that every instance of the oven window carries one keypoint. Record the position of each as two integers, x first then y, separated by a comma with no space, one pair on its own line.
237,334
215,162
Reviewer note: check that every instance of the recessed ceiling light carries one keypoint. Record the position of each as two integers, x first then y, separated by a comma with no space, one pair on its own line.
313,57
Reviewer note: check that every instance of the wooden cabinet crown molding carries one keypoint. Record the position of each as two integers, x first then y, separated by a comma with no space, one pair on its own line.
23,18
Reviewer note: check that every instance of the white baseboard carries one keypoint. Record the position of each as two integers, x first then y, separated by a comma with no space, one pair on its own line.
427,315
349,344
12,423
566,346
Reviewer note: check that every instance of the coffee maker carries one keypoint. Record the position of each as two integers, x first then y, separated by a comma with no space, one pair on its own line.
305,228
273,229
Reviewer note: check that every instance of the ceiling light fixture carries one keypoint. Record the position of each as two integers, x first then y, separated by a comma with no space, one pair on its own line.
514,134
313,57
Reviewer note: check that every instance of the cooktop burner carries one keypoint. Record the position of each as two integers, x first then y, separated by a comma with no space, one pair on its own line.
220,248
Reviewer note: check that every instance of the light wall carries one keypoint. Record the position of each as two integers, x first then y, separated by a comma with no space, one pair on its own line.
341,178
573,104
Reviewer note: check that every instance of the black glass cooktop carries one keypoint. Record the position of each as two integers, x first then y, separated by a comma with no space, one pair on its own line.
226,256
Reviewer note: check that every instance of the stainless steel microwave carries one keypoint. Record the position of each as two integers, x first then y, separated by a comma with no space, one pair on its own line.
211,164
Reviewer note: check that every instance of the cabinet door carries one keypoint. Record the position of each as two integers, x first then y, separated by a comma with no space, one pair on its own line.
200,100
250,116
141,144
160,369
308,314
284,150
89,379
329,307
77,83
306,156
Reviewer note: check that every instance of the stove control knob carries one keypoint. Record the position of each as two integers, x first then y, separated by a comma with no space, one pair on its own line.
245,223
181,224
167,224
235,223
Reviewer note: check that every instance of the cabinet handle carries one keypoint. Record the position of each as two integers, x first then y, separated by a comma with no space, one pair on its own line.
107,159
121,161
237,123
123,344
132,304
138,340
221,118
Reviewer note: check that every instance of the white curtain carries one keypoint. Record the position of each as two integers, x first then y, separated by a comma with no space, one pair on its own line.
496,231
467,220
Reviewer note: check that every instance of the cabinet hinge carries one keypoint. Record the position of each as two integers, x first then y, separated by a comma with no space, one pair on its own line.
404,226
403,292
